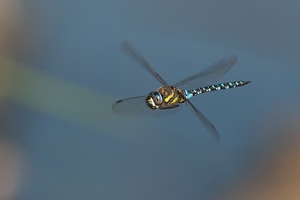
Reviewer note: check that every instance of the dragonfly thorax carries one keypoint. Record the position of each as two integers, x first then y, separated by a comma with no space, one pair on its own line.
165,97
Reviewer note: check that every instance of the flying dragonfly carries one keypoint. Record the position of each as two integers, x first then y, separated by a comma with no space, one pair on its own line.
169,97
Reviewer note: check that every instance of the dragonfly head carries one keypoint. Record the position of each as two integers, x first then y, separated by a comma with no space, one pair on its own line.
154,100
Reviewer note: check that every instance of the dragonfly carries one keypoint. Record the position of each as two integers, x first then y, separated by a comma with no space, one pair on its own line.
171,97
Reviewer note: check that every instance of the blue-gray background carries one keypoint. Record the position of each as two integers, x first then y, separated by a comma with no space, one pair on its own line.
171,157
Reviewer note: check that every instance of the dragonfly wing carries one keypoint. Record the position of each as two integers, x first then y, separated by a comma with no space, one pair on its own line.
139,58
204,120
209,75
129,106
136,106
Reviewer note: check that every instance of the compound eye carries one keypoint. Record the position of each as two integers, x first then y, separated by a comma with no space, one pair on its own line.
157,97
154,100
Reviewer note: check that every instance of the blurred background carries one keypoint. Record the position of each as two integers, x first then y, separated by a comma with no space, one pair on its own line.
62,69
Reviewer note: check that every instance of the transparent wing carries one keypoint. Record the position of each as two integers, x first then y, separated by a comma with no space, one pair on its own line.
209,75
136,106
129,106
139,58
203,119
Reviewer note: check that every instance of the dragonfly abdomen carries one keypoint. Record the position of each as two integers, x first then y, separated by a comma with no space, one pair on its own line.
216,87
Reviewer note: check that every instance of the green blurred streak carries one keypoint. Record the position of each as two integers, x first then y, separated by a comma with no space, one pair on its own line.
59,98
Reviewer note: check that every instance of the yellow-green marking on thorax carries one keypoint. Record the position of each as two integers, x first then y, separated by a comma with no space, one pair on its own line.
171,96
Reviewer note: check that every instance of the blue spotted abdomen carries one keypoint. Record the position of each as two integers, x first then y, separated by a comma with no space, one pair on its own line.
210,88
